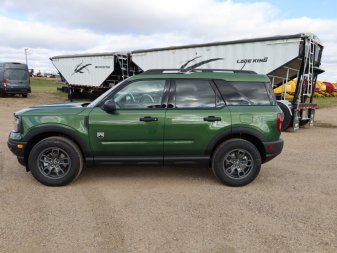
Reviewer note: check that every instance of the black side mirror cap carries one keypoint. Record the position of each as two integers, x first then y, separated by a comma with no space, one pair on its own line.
109,106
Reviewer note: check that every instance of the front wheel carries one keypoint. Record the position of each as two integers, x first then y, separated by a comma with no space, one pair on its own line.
55,161
236,162
24,95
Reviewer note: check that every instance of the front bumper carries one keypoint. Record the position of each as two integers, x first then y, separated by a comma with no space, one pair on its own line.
272,149
19,152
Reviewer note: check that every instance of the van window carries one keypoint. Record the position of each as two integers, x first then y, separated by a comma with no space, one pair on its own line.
16,74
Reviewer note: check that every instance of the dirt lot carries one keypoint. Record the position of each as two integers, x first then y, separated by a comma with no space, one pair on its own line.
291,207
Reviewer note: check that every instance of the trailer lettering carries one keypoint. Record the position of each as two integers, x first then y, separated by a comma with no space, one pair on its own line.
253,60
244,61
102,67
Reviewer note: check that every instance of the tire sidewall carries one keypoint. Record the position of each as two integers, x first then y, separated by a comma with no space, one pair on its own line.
225,148
68,147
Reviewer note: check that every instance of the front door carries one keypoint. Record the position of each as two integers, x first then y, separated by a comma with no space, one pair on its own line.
134,132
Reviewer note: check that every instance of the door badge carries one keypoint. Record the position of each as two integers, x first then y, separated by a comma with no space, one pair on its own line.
100,135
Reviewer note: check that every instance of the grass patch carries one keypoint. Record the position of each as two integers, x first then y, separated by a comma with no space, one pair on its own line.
48,86
326,102
44,85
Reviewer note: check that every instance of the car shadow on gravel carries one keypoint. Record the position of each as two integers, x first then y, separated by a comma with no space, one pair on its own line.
145,173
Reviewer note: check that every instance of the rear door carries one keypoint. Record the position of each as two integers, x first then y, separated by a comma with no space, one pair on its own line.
196,114
17,77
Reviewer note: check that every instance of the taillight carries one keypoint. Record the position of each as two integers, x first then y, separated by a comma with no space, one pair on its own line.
279,121
4,83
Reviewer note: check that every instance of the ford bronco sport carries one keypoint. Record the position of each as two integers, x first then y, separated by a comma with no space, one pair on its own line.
227,120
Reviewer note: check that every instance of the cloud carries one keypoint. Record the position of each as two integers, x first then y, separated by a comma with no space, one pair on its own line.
65,27
144,16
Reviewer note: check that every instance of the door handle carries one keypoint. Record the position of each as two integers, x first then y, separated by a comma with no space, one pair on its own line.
148,119
212,119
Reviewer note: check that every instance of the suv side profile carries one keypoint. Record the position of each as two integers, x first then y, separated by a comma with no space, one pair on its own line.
227,120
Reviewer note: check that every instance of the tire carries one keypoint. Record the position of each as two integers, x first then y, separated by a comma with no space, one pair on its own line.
287,116
232,153
24,95
2,93
45,161
302,123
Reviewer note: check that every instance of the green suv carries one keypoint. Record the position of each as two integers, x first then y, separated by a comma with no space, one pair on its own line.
227,120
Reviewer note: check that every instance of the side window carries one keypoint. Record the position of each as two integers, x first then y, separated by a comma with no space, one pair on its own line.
194,94
143,94
245,93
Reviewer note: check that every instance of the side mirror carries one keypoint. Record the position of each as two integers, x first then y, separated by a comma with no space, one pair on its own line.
109,106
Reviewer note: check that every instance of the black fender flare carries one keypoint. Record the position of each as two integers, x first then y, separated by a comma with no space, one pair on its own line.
63,130
234,133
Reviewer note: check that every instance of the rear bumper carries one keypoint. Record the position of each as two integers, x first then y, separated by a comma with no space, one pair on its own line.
272,149
17,90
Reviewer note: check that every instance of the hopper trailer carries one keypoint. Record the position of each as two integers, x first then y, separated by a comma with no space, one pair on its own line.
281,58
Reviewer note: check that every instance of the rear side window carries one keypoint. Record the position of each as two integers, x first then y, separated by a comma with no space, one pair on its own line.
16,74
246,93
194,94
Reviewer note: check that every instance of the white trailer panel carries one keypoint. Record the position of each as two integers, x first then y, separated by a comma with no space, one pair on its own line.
85,70
261,57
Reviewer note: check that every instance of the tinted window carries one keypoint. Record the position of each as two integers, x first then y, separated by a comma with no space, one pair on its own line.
194,94
245,93
16,74
140,95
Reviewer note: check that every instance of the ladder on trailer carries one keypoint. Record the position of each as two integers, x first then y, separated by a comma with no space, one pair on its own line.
123,61
306,82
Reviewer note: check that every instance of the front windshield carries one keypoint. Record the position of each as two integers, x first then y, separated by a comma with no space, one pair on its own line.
104,95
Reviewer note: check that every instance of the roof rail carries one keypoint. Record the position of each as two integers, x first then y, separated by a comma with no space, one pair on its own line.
178,71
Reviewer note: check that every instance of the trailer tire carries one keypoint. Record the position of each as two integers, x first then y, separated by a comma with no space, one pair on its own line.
302,123
287,118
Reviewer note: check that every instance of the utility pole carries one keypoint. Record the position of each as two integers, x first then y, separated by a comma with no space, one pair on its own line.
26,49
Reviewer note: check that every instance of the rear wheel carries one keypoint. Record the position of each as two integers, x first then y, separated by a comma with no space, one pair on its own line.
236,162
55,161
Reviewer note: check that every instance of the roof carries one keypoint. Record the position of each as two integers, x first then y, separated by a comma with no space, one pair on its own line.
89,55
279,37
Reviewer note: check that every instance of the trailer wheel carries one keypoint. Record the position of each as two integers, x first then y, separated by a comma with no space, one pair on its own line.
287,116
70,95
304,122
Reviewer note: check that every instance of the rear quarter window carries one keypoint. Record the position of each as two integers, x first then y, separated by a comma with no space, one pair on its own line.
246,93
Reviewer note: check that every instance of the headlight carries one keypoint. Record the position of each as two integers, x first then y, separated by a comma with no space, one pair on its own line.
17,123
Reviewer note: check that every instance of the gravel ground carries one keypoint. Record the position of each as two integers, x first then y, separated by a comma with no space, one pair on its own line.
290,207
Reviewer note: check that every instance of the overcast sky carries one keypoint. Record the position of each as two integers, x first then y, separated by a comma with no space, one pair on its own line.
55,27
